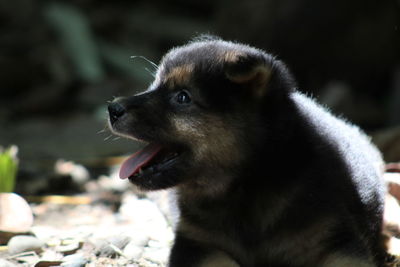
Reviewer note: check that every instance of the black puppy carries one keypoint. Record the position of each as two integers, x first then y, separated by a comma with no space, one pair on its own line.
264,175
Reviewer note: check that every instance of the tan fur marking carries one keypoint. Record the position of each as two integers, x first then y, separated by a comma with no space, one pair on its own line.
210,138
296,248
346,261
215,145
217,239
260,72
219,260
179,75
188,127
256,79
231,56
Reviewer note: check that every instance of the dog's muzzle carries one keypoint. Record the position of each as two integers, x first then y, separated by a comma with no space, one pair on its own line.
115,111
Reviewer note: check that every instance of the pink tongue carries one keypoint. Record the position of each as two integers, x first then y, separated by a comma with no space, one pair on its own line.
137,160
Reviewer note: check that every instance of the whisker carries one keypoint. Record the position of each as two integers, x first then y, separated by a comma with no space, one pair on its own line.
151,72
155,66
116,138
108,138
101,131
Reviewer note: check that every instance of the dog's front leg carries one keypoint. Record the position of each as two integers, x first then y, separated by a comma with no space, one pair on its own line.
190,253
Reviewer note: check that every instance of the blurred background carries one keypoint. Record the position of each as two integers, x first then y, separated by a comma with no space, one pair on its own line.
61,61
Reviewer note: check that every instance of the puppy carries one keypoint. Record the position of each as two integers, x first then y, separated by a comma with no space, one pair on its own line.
264,175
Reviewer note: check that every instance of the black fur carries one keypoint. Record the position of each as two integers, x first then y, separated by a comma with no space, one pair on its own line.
296,186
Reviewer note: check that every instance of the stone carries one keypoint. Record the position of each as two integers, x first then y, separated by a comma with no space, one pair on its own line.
78,172
145,215
158,255
69,249
393,246
16,214
23,243
74,260
138,237
4,263
393,182
112,246
132,251
391,216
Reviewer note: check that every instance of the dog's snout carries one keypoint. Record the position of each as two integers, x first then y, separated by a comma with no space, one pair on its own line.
115,110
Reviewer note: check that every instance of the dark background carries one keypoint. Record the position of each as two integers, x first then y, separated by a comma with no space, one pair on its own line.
61,61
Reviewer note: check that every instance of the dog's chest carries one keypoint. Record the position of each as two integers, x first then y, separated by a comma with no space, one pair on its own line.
254,232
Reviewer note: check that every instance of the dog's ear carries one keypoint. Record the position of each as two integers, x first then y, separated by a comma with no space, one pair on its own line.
248,69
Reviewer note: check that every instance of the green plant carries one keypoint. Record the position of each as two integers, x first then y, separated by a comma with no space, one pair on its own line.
8,168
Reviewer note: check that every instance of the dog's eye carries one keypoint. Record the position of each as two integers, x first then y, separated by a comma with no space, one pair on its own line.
183,97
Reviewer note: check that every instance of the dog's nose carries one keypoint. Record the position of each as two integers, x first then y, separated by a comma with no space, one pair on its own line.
115,110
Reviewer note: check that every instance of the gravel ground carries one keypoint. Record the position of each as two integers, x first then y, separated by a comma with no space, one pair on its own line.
110,225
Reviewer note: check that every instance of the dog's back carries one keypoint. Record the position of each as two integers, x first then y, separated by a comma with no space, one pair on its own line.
311,196
351,171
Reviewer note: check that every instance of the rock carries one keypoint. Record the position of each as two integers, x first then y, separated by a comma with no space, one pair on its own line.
393,246
70,248
158,255
27,258
122,262
4,263
16,215
113,183
6,236
133,251
50,255
138,238
147,263
391,216
112,246
393,182
166,201
78,173
74,260
73,257
146,216
46,233
23,243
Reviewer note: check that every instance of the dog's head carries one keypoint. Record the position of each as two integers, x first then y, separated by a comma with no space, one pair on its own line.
197,114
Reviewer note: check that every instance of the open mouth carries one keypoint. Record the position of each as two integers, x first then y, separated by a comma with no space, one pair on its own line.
150,160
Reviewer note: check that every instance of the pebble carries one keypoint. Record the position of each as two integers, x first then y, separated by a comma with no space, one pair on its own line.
145,215
138,237
74,260
107,247
158,255
4,263
132,251
45,233
70,248
16,214
50,255
23,243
